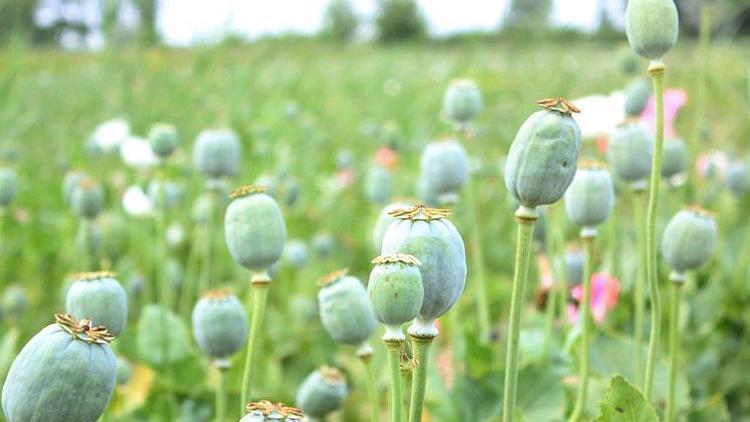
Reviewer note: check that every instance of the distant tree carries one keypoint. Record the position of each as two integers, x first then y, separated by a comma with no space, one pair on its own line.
399,20
340,22
528,13
147,12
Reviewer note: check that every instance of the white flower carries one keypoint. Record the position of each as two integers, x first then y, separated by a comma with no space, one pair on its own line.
110,134
137,153
135,202
600,114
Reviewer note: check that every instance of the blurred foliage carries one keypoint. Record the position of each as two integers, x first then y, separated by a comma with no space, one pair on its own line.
340,22
399,20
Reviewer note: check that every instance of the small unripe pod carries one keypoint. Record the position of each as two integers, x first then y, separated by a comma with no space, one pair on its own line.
396,292
87,199
89,239
737,178
574,261
115,236
163,139
444,167
674,158
14,302
381,224
591,197
254,229
651,26
296,254
630,153
220,326
71,179
637,93
378,184
345,309
164,194
322,392
66,372
265,411
99,298
124,371
8,186
689,239
323,244
542,159
462,101
216,153
629,62
162,337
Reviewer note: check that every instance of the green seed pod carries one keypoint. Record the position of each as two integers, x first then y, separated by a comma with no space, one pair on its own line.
430,197
14,303
220,326
637,93
590,199
737,179
462,101
164,193
163,139
574,260
381,224
542,159
396,292
323,244
162,337
70,181
345,309
651,26
674,158
296,254
378,184
8,186
629,153
689,239
100,298
254,229
87,199
431,238
124,371
322,392
444,168
89,239
66,372
216,153
265,411
630,63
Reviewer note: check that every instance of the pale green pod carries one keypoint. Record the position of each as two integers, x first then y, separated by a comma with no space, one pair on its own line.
322,392
323,244
89,239
630,153
378,184
87,199
100,298
254,229
542,159
265,411
71,179
430,197
637,93
674,158
164,194
345,309
8,186
590,199
381,224
652,27
14,302
216,153
396,291
574,260
296,254
162,337
65,373
689,239
115,236
163,139
444,167
737,178
220,326
462,101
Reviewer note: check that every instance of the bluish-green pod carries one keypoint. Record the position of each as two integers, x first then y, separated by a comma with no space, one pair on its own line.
8,186
652,27
737,178
115,236
265,411
87,199
124,371
165,193
629,62
542,159
220,326
430,197
431,238
574,260
162,337
462,101
296,254
65,373
89,239
630,153
444,167
378,184
637,93
163,139
254,229
674,158
174,274
14,302
322,392
689,239
396,292
71,179
100,298
345,309
590,199
323,244
216,153
381,224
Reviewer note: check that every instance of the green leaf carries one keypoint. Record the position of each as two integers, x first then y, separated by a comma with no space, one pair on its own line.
541,395
623,402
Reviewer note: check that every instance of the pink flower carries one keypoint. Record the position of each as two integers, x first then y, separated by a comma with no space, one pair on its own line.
674,99
711,163
345,177
605,291
385,157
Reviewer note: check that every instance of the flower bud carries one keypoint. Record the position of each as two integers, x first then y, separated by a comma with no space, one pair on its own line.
322,392
737,178
651,26
378,184
220,326
674,158
689,239
637,93
444,167
216,153
396,292
630,153
345,309
462,101
381,224
163,139
87,199
591,197
99,298
8,186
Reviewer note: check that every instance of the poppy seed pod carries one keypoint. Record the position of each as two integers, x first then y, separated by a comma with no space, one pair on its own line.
574,260
14,302
431,238
99,298
462,101
396,292
66,372
737,179
70,181
322,392
87,199
591,197
345,309
542,159
220,326
378,184
674,158
124,371
163,139
162,337
444,167
254,229
651,26
216,153
430,197
689,239
115,236
381,224
296,254
637,93
630,153
265,411
8,186
323,244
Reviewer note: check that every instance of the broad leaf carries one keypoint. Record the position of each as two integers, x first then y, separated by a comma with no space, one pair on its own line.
623,402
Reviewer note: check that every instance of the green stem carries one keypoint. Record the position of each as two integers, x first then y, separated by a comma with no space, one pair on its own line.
584,312
742,261
557,288
83,238
205,276
160,257
419,383
189,286
526,217
394,366
221,396
259,287
638,290
674,344
656,69
483,313
371,391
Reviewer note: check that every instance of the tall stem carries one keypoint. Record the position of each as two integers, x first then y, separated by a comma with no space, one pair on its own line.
743,258
674,344
394,368
526,217
371,391
205,277
584,312
83,238
477,260
190,283
419,383
221,396
259,287
638,290
656,69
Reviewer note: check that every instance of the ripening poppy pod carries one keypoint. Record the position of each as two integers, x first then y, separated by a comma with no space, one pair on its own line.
265,411
66,372
322,392
254,229
444,169
115,236
590,198
737,179
70,181
323,244
574,260
674,158
651,26
8,186
87,198
345,309
220,326
99,298
396,292
163,139
637,93
542,159
216,153
162,337
431,238
14,302
630,152
296,254
384,220
378,184
462,101
689,239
